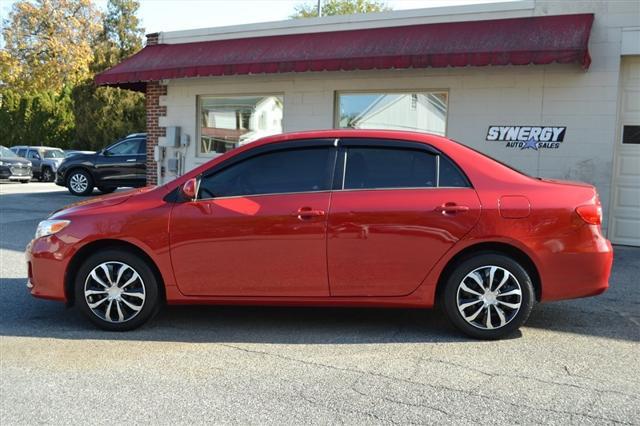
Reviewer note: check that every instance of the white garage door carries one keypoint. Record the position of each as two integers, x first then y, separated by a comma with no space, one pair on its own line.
625,213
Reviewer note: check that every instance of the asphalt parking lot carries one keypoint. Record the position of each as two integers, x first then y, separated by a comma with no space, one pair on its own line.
574,362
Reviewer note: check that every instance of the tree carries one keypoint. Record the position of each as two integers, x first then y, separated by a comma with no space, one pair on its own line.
339,7
103,114
48,44
121,34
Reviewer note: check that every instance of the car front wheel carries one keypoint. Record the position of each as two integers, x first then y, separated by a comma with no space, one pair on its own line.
116,290
80,182
488,296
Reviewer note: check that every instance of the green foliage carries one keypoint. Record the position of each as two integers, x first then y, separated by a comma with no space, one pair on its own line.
47,95
104,114
43,118
339,7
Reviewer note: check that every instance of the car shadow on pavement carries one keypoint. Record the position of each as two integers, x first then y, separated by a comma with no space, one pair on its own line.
22,315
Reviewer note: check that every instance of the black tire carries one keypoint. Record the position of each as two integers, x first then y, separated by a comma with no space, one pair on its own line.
107,189
25,181
47,175
499,308
150,304
77,189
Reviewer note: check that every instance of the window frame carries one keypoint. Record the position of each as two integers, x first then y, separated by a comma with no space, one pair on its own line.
113,145
199,99
338,93
346,143
269,149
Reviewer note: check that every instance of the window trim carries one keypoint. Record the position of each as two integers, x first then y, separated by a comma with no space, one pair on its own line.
338,93
223,96
345,143
269,149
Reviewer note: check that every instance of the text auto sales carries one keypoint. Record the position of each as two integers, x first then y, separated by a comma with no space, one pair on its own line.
527,137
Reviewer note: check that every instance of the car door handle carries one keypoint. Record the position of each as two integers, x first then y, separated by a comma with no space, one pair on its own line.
131,160
452,208
307,212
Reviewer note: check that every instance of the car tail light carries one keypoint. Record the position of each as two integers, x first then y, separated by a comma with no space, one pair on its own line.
590,213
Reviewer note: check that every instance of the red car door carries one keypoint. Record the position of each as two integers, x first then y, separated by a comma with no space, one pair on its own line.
258,227
399,208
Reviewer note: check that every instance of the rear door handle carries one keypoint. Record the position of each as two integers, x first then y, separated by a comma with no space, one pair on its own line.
452,208
307,212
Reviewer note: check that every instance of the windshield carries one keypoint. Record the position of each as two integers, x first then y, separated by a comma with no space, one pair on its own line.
6,153
53,153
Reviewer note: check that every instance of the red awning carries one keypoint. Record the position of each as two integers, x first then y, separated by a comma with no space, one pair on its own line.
518,41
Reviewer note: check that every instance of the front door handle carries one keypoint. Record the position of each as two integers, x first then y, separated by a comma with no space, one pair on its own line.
452,208
308,212
131,160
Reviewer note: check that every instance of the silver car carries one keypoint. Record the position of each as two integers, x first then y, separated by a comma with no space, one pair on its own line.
45,160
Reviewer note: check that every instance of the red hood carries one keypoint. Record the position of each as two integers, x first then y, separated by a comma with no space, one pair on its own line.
101,201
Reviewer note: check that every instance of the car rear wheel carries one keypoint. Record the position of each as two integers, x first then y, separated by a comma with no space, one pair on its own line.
80,182
47,175
107,189
488,296
116,290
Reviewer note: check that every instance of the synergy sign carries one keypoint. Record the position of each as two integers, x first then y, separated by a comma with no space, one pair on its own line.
527,137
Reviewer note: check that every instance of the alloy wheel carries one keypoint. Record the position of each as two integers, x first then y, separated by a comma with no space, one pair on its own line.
114,291
47,175
489,297
79,182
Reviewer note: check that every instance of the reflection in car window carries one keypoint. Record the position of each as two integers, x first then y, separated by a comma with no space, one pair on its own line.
128,147
389,168
33,154
6,153
295,170
53,153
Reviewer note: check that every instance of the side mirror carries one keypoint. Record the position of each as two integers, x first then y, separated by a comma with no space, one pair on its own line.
189,189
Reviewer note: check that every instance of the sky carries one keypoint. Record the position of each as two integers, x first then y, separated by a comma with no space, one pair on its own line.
169,15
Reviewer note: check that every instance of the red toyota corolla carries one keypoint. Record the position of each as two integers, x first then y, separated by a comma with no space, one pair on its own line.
331,218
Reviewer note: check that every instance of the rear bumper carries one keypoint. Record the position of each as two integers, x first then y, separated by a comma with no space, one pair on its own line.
580,273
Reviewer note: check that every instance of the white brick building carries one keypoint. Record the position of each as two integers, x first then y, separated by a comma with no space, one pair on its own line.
593,103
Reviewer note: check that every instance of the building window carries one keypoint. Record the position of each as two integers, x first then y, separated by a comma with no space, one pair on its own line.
228,122
417,111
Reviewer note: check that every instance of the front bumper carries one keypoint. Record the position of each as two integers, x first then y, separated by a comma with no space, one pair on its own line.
15,173
47,260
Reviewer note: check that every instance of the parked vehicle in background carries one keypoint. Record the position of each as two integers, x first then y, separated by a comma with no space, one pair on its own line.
71,152
121,164
331,218
13,167
45,160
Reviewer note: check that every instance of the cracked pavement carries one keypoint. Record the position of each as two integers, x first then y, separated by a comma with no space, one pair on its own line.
573,362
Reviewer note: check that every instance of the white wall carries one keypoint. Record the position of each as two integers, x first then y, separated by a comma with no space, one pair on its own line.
558,95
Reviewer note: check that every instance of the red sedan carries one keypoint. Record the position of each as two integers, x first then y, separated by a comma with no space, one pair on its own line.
331,218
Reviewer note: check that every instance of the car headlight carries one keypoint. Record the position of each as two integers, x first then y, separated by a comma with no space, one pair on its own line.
50,227
2,163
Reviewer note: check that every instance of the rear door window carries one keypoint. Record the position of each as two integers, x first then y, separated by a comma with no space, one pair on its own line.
376,168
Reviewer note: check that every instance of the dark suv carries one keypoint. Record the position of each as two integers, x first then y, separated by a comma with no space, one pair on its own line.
122,163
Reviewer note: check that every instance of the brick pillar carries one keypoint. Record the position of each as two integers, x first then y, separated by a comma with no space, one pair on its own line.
154,111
